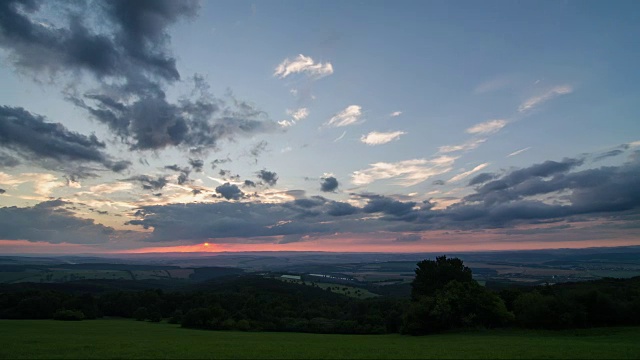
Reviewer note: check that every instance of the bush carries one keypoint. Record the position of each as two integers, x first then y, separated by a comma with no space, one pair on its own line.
176,317
534,310
201,318
155,316
243,325
141,314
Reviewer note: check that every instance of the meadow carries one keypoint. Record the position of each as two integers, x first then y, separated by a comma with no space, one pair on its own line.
124,338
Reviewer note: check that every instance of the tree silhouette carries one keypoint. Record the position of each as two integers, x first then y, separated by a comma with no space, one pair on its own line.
434,275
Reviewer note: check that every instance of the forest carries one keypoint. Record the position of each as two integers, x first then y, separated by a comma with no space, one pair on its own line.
443,297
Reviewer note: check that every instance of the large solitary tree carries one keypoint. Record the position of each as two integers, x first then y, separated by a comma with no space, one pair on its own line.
445,297
432,275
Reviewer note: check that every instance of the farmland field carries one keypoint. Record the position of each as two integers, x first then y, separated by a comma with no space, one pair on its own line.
118,338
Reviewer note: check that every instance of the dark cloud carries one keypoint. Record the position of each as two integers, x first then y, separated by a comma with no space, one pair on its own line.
257,150
481,178
225,219
438,182
388,206
308,203
269,177
605,191
288,239
542,170
197,125
150,183
216,162
127,53
7,161
308,207
608,154
183,177
227,175
249,183
49,222
241,221
328,184
337,208
174,167
134,37
142,30
51,144
196,164
2,191
524,182
229,191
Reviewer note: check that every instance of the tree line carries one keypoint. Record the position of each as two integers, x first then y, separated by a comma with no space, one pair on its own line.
444,296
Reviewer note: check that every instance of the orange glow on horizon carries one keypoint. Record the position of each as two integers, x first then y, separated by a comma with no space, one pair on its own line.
204,247
342,243
347,245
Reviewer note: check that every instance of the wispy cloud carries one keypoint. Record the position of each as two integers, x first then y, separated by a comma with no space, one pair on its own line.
517,152
469,145
296,115
43,183
349,116
379,138
395,114
493,85
299,114
487,127
303,64
407,172
467,173
532,102
111,188
340,137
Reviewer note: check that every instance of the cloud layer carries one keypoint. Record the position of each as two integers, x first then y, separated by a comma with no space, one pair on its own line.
521,197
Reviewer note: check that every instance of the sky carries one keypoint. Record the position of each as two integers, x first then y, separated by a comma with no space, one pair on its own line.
363,126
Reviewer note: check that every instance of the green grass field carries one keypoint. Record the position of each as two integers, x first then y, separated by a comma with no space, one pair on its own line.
132,339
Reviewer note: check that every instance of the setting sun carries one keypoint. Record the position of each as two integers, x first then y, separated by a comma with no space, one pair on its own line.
206,244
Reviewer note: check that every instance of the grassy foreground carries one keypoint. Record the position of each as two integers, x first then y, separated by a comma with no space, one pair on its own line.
132,339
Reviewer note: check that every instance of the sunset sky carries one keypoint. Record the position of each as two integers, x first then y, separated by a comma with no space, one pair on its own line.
394,126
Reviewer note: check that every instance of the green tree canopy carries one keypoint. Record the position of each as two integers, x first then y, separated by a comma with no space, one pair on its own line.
432,275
